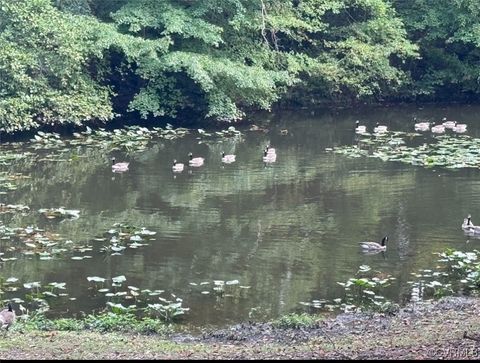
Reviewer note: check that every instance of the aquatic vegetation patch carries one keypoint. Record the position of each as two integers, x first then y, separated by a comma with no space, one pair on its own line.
7,183
457,272
122,236
162,308
452,152
7,156
29,241
14,208
129,138
220,288
364,291
150,309
167,310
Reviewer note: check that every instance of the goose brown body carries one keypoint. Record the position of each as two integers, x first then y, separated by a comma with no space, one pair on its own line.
374,246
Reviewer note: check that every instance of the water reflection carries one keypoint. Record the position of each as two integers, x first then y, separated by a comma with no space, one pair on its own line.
287,230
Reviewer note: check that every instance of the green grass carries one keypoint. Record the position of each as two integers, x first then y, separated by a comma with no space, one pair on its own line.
106,322
296,321
417,335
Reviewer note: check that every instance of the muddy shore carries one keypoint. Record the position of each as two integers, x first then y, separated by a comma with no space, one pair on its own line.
444,329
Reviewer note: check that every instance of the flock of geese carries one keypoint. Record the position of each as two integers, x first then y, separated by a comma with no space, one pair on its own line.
440,129
269,156
419,126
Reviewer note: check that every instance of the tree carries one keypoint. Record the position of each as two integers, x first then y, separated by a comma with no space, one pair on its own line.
448,36
44,75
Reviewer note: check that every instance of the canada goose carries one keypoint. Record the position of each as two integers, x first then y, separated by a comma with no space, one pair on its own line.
421,126
460,128
438,129
359,129
119,167
177,166
269,158
448,124
7,317
227,158
374,246
198,161
379,128
468,225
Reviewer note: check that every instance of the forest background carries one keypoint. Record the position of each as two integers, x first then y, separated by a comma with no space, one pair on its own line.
68,62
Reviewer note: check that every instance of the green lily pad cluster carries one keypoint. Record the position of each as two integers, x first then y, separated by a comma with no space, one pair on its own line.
167,310
7,156
364,290
122,236
458,271
33,241
50,213
35,295
12,208
452,152
219,288
133,138
47,140
129,138
6,184
30,241
361,292
154,304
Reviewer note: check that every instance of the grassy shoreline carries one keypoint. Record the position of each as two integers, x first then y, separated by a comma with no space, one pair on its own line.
429,330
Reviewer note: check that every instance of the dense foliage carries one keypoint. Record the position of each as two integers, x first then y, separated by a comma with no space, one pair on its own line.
448,35
68,61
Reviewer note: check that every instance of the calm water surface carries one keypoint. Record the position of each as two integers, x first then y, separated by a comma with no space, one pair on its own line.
289,231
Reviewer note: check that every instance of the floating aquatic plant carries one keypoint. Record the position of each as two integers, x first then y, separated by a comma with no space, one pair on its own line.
167,310
447,151
121,236
364,291
12,208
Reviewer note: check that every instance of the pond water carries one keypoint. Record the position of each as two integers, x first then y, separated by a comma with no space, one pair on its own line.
287,231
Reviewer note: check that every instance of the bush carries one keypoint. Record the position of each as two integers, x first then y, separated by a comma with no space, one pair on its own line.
296,321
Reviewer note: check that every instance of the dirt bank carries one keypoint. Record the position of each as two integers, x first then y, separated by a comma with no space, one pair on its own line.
431,330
